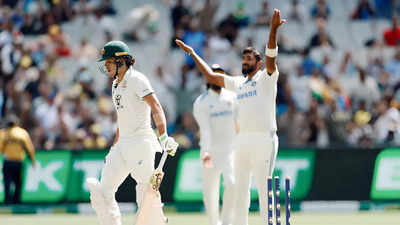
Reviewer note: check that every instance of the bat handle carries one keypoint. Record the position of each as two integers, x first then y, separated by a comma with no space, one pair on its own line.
162,161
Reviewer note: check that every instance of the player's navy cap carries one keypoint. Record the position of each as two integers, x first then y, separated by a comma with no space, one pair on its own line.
217,68
114,49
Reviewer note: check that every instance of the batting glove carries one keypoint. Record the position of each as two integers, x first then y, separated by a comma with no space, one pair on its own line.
168,144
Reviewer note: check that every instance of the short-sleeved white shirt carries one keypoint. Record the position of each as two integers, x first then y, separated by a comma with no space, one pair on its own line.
216,114
134,114
256,101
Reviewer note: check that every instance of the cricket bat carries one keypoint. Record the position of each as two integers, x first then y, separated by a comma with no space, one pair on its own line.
151,208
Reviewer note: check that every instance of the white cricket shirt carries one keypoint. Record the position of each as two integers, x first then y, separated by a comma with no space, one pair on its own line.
256,101
134,114
216,113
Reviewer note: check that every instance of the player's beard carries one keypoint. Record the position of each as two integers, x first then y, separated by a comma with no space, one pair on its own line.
249,69
215,87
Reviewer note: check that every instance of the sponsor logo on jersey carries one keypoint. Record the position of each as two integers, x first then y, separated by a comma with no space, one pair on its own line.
223,113
247,94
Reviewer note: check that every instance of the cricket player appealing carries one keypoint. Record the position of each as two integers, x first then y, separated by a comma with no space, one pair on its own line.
215,112
135,143
256,142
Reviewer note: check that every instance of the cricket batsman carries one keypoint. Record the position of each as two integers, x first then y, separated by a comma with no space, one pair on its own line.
257,142
135,143
215,113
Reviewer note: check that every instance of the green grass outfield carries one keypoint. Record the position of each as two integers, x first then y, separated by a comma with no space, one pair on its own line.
362,218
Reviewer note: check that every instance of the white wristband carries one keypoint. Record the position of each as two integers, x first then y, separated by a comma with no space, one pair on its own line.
271,52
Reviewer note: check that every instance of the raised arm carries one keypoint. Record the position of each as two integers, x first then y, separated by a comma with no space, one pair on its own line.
214,78
271,51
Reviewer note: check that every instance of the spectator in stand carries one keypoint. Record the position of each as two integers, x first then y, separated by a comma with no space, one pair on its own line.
321,10
86,82
7,31
57,40
177,13
383,8
393,68
187,131
240,15
180,16
321,38
85,51
296,11
184,96
46,21
290,125
315,132
9,3
336,122
347,67
264,16
195,38
10,56
219,46
2,98
391,36
365,89
60,10
83,7
46,111
308,64
283,95
161,80
387,122
360,131
108,8
229,27
31,25
207,15
17,18
363,11
301,93
286,46
141,23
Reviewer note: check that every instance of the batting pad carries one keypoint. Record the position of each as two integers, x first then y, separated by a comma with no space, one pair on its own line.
151,209
107,212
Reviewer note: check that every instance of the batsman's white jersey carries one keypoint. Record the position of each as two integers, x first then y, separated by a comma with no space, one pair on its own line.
256,142
134,114
216,114
134,152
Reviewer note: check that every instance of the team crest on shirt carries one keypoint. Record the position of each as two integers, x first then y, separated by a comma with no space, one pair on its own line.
118,101
253,84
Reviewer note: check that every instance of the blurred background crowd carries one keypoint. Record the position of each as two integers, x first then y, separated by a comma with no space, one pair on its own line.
339,62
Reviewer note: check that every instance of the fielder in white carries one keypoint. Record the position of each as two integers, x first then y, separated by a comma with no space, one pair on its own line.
135,143
257,142
215,112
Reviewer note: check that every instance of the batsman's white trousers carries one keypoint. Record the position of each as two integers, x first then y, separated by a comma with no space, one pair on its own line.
134,156
255,155
223,164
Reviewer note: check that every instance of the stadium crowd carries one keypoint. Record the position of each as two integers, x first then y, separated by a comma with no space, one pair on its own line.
321,101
